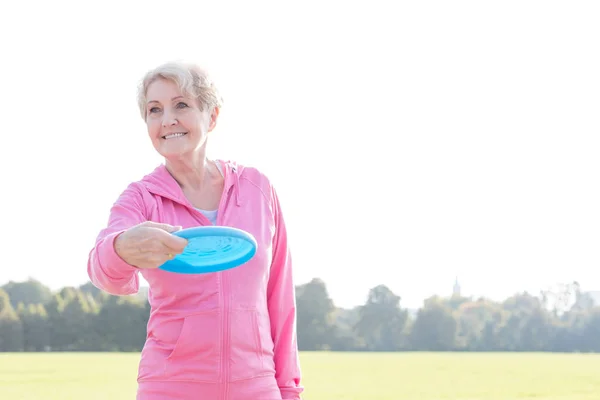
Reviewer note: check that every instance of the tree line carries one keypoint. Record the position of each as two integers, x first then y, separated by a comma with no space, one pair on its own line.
34,318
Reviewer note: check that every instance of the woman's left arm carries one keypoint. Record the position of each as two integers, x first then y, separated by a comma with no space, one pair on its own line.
281,299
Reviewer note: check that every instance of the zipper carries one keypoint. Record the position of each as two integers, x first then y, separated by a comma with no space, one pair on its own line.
226,339
226,317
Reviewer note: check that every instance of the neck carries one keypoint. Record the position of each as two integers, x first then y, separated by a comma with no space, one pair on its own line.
191,171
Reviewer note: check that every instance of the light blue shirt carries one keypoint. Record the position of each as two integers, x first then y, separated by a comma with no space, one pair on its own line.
210,214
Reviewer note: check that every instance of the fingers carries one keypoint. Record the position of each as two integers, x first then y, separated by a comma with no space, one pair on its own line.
164,227
158,259
174,244
165,242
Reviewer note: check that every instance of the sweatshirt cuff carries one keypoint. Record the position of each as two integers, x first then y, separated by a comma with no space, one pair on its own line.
290,394
112,264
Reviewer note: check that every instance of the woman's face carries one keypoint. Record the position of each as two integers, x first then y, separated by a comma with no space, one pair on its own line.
176,125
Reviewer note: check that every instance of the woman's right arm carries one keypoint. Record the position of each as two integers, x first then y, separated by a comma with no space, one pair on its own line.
129,243
106,269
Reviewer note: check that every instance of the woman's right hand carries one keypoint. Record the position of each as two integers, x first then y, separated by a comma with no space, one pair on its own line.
149,244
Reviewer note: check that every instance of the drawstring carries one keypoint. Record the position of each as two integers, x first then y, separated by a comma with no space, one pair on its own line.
236,188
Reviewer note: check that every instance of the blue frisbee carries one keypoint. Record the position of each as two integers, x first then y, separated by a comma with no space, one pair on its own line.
212,249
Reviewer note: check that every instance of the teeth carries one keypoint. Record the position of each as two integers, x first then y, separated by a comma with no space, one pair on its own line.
173,135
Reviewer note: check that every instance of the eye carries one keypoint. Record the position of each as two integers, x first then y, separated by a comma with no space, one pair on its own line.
154,110
181,104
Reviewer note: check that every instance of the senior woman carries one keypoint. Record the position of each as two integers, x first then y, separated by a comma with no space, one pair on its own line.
228,335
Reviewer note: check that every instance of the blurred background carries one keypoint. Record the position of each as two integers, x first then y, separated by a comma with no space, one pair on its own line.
437,164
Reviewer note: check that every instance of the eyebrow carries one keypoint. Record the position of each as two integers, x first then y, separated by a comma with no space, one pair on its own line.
174,98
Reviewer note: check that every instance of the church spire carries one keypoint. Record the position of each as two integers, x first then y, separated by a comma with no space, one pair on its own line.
456,289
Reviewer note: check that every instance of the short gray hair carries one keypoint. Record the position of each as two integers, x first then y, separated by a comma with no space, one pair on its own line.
192,80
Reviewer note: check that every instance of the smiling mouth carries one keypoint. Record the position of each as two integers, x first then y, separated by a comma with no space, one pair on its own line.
174,135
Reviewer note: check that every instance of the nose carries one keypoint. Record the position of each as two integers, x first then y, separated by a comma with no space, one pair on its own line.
168,120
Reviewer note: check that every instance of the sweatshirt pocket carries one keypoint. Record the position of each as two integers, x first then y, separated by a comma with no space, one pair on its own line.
247,357
196,355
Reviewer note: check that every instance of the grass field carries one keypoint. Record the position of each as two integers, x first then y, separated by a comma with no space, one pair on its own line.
329,376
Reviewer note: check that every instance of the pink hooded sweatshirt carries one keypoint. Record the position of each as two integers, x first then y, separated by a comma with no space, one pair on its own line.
220,336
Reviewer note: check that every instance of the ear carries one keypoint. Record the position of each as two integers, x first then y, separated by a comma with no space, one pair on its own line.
214,115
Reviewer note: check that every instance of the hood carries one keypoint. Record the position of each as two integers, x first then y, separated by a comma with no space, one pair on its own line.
160,182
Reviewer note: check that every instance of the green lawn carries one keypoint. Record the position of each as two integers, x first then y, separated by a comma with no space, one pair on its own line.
329,376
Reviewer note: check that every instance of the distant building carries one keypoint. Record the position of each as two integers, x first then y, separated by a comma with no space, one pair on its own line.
456,288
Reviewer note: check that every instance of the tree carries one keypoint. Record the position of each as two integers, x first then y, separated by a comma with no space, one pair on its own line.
315,316
478,324
27,292
381,320
36,335
435,327
11,329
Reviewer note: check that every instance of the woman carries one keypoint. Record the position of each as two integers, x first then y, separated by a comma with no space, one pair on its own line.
227,335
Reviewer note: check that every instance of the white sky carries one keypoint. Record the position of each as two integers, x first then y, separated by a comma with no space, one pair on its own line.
410,142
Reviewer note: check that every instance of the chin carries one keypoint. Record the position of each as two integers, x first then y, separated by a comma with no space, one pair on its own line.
176,154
